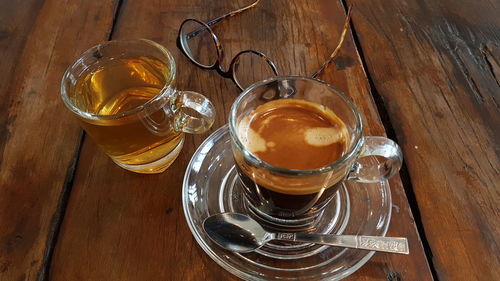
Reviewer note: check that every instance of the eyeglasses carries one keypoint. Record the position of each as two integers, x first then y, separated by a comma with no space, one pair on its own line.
201,45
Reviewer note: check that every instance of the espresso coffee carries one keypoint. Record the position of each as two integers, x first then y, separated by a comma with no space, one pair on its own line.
291,134
294,134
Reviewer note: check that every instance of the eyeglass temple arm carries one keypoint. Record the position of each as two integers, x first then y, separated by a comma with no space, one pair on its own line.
339,45
217,20
233,13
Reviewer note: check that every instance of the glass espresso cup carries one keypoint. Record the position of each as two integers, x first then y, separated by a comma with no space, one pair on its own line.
123,94
293,198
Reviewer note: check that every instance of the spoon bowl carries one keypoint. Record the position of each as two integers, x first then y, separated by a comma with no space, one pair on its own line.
236,232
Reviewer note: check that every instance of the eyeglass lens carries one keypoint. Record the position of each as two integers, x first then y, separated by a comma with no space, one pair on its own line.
249,68
198,43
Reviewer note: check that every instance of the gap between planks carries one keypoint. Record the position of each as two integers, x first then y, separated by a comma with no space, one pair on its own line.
391,133
58,217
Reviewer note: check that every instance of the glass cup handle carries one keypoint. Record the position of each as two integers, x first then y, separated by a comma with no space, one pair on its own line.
368,171
193,112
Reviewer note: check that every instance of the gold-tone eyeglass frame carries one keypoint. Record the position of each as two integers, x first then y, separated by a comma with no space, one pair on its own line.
233,66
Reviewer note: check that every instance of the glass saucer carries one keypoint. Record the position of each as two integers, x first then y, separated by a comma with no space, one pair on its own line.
211,186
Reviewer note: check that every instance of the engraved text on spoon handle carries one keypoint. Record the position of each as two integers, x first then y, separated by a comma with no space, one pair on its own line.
373,243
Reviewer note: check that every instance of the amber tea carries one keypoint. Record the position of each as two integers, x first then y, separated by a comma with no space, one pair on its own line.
123,94
119,86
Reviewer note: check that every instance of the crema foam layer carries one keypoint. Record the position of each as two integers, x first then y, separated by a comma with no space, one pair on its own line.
294,134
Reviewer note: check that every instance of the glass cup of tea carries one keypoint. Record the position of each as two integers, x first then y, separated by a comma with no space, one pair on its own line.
123,94
295,141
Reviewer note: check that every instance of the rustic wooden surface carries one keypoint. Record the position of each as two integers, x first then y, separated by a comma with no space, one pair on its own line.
38,138
436,67
131,227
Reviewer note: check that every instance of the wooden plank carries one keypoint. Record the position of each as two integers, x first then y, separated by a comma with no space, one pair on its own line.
124,226
38,138
435,63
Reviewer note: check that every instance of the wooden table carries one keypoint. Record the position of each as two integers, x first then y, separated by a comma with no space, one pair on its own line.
424,72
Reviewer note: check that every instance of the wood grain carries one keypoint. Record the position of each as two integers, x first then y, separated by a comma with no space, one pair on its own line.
125,226
38,138
436,65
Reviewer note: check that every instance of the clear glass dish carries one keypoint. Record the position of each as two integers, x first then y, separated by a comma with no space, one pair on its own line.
211,186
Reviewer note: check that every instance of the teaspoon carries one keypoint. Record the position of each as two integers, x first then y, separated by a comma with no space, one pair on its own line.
240,233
